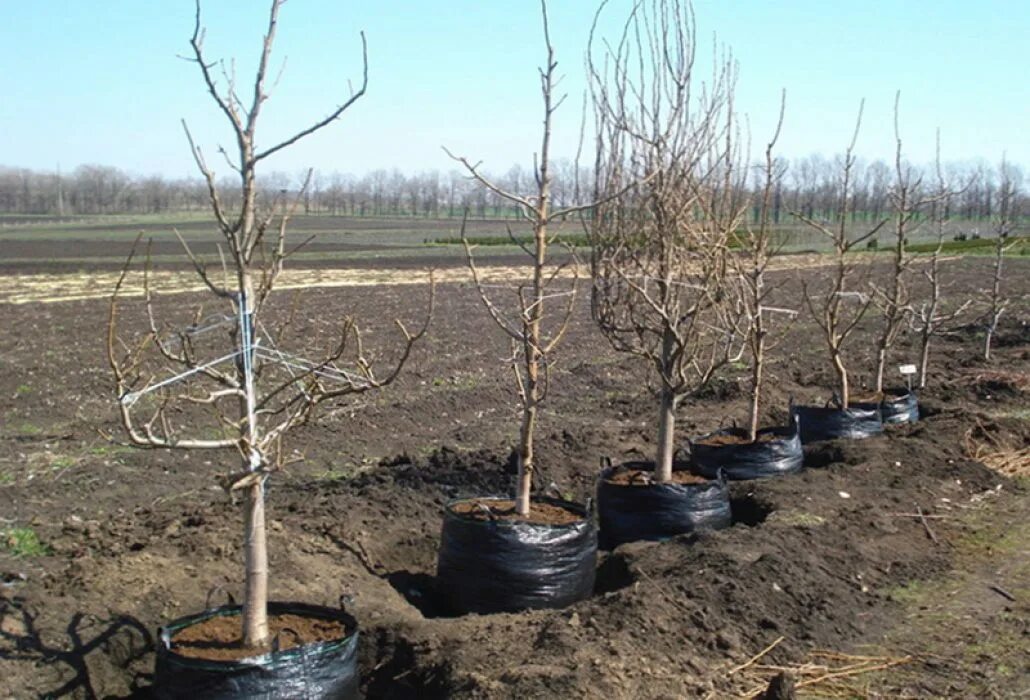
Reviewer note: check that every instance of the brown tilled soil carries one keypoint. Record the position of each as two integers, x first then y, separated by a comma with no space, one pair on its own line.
894,547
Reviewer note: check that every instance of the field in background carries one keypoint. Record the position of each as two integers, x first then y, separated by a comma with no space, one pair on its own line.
106,240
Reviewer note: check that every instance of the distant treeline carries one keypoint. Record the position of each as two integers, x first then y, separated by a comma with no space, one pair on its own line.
806,187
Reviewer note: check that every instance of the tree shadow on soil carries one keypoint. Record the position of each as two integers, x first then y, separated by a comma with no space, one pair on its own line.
123,640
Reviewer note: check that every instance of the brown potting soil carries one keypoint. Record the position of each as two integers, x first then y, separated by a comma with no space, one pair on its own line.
220,638
493,509
645,477
722,439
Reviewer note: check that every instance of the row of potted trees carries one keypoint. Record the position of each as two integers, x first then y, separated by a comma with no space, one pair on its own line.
678,278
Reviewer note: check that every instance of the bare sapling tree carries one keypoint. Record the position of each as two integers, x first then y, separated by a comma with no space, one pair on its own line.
930,318
837,308
1002,225
752,264
663,288
909,201
256,393
534,334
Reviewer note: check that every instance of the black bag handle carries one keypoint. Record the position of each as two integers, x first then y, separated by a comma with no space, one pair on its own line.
277,644
218,588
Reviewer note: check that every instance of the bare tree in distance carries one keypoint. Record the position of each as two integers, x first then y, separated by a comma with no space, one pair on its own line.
838,309
533,343
663,286
1003,224
257,393
930,319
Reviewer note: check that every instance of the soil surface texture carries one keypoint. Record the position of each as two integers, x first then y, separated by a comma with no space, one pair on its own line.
895,566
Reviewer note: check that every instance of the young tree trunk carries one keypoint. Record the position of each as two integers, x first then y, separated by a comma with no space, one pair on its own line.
881,364
526,467
997,304
924,356
756,390
842,379
255,603
666,415
666,434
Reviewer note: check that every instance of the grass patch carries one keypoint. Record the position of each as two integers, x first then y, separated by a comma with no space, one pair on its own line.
110,450
22,542
1020,246
63,462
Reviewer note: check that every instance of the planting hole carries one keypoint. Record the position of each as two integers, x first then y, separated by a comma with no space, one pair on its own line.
748,510
397,673
613,574
420,590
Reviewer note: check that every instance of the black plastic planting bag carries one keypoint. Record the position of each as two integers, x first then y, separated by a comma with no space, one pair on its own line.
777,451
634,512
313,671
828,423
900,406
487,566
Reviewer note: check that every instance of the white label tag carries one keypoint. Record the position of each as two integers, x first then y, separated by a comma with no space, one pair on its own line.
907,369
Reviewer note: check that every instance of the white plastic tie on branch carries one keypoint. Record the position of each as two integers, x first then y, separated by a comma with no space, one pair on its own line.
131,397
280,357
777,310
248,348
671,283
295,362
210,324
853,295
303,365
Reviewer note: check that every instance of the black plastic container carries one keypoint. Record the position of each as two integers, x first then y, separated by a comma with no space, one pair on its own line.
830,423
899,406
487,566
777,452
319,671
632,512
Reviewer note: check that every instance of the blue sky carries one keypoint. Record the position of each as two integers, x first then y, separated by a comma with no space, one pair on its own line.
99,81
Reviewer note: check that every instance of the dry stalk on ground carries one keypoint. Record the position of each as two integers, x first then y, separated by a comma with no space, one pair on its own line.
255,393
981,444
832,674
663,285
